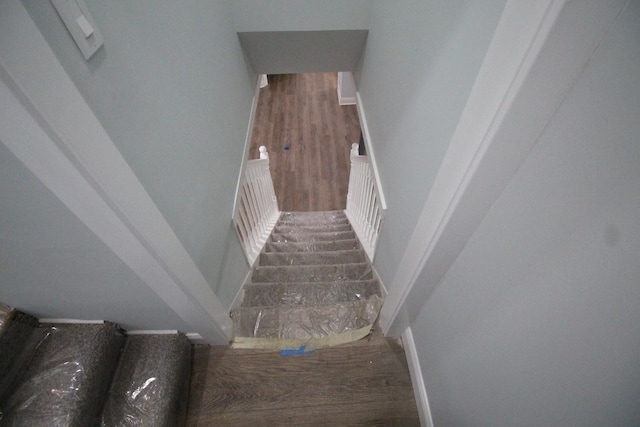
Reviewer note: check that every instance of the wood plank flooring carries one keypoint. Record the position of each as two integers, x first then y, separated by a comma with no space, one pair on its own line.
308,136
365,383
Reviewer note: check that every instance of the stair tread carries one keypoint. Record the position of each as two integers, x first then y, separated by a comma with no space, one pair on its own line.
312,273
343,244
312,218
312,237
79,359
309,293
312,258
159,384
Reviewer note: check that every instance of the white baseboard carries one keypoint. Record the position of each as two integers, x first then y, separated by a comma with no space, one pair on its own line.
196,338
419,389
153,332
346,100
193,337
68,321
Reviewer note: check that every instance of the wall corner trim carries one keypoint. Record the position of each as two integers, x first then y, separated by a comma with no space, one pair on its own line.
417,380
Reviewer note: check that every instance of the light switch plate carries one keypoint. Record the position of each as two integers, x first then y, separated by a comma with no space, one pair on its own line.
80,24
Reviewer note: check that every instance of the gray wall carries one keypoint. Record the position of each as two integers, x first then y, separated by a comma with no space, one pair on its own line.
300,15
418,67
290,52
536,323
172,90
52,266
302,36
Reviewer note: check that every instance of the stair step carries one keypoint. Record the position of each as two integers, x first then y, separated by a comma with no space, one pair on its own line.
335,245
313,218
312,228
304,322
312,258
312,237
312,273
151,383
67,377
322,293
15,331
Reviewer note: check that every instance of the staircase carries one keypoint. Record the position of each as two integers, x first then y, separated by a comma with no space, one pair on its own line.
89,374
313,286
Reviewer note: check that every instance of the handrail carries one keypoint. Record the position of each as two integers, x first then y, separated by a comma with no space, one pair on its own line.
363,202
257,210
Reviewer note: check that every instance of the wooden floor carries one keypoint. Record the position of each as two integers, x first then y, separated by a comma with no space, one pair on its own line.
308,136
365,383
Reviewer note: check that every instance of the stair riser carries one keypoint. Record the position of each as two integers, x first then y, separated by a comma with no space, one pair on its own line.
313,218
312,237
338,245
293,294
337,273
312,258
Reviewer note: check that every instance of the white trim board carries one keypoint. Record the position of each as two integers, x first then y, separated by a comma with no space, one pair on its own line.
417,380
346,100
510,104
247,143
71,321
364,126
196,339
153,332
69,151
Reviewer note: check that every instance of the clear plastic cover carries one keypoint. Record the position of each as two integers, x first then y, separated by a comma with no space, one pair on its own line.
270,295
305,322
150,386
65,379
314,283
4,314
312,273
302,218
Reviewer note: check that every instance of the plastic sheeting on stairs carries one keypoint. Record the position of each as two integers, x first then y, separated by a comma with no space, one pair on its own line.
313,286
62,375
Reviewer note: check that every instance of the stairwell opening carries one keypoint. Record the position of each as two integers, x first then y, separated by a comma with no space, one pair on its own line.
312,284
308,136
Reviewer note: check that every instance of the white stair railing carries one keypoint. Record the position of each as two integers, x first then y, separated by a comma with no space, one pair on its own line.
257,208
364,208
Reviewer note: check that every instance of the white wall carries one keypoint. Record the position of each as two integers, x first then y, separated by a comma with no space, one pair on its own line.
172,90
418,67
536,322
300,15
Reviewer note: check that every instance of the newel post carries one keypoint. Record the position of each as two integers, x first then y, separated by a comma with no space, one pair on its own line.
354,149
263,152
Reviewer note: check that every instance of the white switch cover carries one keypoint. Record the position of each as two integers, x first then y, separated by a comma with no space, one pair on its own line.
85,26
80,24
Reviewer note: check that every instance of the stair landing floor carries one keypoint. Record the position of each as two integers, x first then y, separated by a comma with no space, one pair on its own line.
364,383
